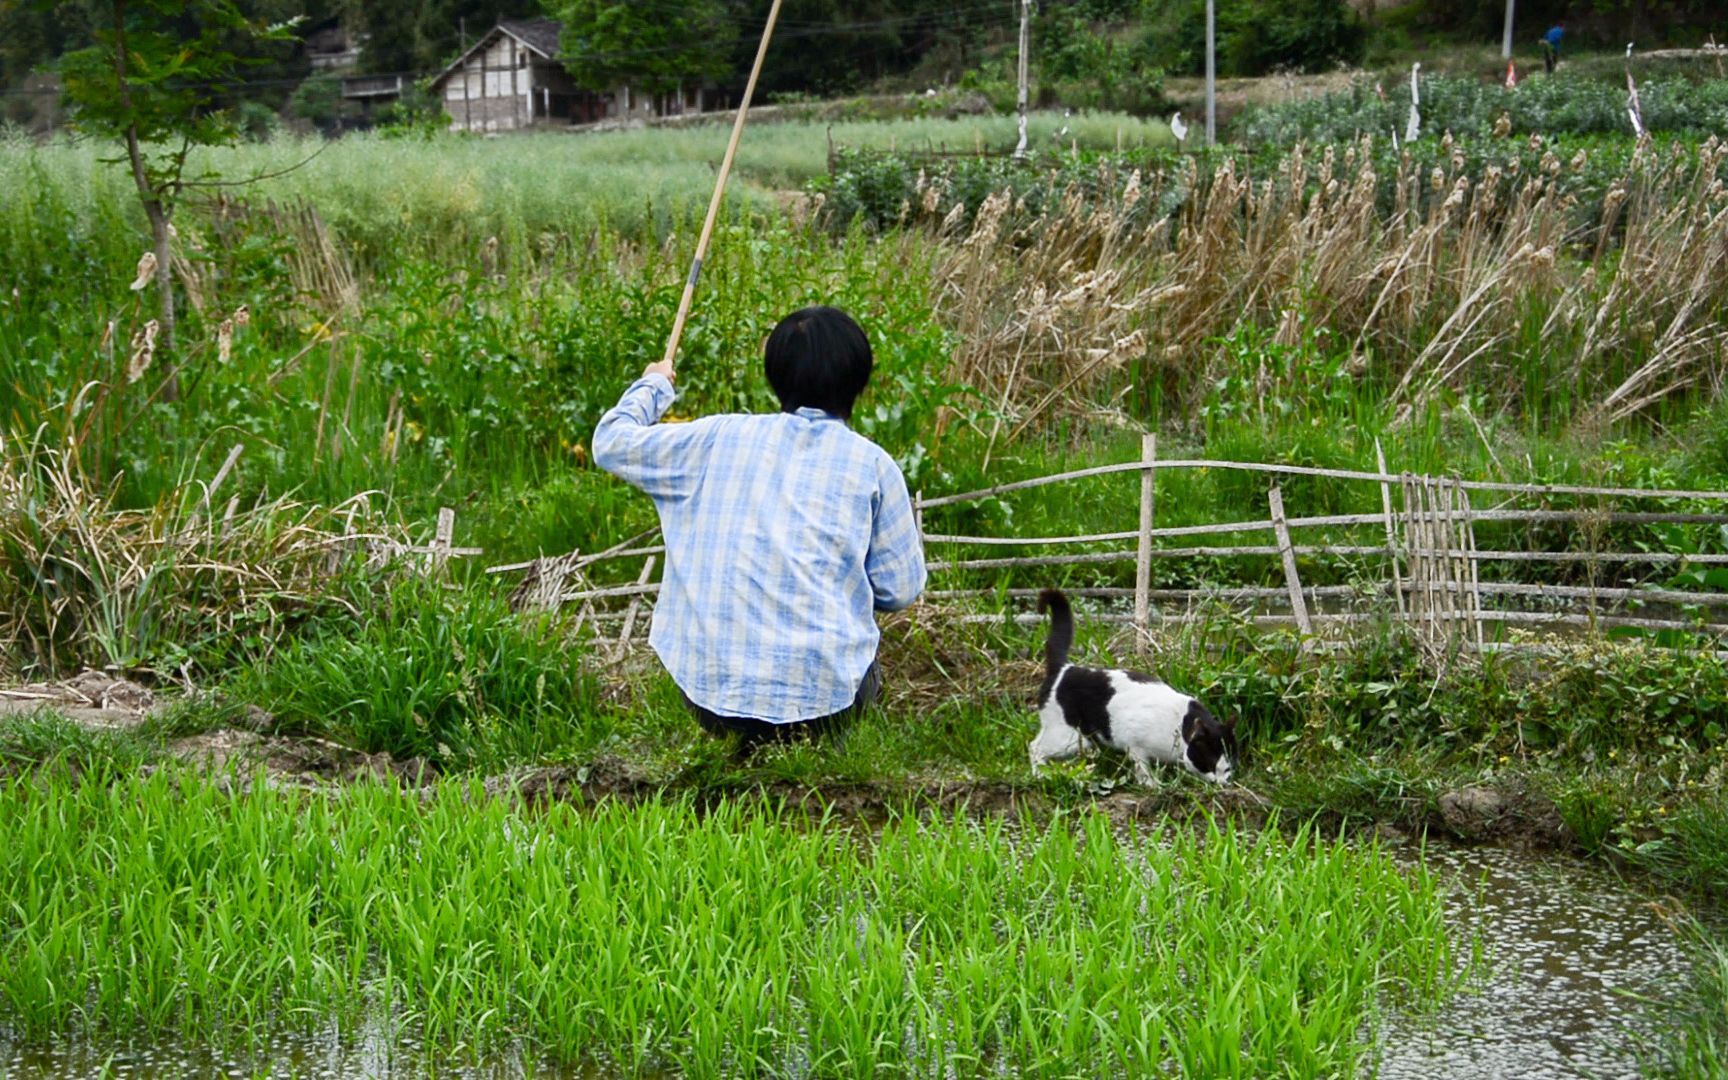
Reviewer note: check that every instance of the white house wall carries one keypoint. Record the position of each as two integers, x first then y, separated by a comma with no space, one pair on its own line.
494,90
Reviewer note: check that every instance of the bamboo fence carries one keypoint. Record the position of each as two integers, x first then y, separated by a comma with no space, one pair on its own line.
1423,566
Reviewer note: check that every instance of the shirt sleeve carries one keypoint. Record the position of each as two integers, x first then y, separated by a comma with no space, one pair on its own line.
664,460
895,563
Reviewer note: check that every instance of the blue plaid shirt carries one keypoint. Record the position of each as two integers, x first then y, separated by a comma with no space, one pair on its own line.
783,533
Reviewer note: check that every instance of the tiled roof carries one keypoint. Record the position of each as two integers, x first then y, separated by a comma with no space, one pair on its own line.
541,35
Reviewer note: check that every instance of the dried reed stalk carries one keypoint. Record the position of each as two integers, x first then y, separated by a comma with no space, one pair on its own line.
1059,311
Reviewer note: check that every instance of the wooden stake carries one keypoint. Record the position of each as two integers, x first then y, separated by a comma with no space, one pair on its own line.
1143,560
1391,533
719,189
1470,554
635,604
440,553
1286,552
1446,531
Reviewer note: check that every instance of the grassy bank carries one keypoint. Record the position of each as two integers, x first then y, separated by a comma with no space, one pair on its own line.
933,947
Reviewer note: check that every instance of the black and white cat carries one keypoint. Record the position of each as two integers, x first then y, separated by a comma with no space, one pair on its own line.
1137,714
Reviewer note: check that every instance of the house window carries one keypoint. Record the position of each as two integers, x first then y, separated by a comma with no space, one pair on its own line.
521,59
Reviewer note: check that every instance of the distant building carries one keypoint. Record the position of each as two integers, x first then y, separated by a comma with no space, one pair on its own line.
330,47
511,79
373,91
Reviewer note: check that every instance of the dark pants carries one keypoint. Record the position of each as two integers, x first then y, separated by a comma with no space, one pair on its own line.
754,733
1549,56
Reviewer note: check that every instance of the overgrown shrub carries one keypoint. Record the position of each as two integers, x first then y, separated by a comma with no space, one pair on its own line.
1084,65
1255,37
1578,702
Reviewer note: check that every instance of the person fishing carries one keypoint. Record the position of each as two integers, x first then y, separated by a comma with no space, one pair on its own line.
784,533
1551,46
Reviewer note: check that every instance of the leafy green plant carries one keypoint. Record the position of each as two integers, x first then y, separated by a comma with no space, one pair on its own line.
455,678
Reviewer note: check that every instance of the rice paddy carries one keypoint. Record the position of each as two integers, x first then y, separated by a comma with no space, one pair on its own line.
721,940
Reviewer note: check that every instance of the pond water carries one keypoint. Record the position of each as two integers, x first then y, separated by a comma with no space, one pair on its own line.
1568,949
1568,945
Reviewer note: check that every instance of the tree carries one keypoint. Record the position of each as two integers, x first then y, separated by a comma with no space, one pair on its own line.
424,35
153,80
835,46
655,46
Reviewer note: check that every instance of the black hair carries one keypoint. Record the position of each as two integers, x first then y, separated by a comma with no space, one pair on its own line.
818,357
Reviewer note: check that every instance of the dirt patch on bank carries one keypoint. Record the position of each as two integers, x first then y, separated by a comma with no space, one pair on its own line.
1509,812
94,700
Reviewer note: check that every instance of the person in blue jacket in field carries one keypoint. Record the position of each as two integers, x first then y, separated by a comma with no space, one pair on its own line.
1551,46
784,534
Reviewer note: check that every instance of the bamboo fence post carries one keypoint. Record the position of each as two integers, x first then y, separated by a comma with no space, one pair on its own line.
1445,567
1143,556
1457,572
1467,516
440,553
1413,545
1298,606
1391,534
635,604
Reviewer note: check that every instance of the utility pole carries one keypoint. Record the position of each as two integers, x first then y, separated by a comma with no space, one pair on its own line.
1506,41
1025,48
1211,73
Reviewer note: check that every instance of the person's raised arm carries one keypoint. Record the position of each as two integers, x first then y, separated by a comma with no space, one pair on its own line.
895,563
630,443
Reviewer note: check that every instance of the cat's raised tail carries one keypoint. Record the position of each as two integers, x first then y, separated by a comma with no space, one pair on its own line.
1061,637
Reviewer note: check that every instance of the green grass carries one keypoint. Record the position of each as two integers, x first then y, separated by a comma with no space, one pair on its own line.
730,940
1692,1043
451,192
456,678
44,737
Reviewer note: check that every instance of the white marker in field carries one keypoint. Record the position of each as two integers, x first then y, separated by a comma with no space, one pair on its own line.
1178,128
1413,128
1634,111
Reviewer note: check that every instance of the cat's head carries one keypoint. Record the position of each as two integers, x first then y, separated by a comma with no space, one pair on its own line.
1211,749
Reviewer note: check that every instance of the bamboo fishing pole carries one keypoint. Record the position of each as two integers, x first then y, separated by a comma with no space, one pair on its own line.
719,189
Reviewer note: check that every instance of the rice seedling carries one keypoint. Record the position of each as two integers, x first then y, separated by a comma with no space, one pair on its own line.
728,941
1692,1039
42,738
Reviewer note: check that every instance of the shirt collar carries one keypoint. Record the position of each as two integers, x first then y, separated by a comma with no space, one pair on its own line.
810,412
